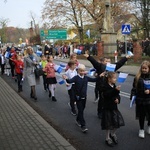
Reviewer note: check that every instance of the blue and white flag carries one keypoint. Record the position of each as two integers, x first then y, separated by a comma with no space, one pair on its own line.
132,101
130,53
7,54
58,68
39,53
88,33
122,77
91,71
110,67
147,84
63,65
77,51
61,81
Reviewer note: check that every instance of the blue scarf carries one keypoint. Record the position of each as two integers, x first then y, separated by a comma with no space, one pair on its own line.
31,57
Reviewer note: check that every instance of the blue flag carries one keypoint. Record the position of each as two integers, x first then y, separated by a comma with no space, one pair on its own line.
77,51
60,81
132,101
122,77
63,65
110,67
147,84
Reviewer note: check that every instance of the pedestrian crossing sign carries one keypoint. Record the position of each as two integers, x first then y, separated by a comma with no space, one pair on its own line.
126,29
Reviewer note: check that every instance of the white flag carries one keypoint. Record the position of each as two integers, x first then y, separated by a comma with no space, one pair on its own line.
88,33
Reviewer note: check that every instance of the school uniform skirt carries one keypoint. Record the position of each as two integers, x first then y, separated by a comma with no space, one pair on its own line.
51,80
111,119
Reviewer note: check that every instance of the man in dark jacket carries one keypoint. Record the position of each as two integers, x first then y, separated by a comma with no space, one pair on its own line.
100,68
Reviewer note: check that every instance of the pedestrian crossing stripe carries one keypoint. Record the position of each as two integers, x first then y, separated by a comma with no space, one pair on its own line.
126,29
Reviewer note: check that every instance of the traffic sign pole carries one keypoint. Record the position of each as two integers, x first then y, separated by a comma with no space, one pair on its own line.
125,41
126,29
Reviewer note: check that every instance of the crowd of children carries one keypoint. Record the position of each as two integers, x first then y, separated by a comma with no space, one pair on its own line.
76,78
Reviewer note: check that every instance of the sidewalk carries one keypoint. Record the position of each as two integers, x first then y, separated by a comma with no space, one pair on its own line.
132,70
21,128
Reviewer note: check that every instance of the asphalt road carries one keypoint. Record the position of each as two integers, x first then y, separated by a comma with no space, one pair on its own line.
59,116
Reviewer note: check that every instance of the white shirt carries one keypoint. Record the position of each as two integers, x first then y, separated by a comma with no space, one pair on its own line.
70,74
2,59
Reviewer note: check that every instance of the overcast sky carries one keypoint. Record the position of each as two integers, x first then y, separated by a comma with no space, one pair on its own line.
18,12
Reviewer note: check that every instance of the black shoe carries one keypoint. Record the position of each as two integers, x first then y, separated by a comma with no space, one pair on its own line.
109,142
35,98
78,123
84,129
114,139
54,99
31,95
50,94
73,112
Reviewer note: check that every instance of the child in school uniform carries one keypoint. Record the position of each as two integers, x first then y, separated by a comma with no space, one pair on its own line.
19,70
141,90
74,58
43,64
70,73
111,116
80,82
51,77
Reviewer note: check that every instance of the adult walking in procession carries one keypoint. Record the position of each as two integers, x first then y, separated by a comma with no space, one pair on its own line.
30,61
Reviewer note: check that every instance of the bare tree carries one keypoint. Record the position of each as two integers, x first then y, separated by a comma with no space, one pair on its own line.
142,10
34,25
96,9
3,25
65,13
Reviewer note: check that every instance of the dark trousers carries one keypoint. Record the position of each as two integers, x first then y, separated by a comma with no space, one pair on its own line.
19,78
12,67
81,106
144,113
100,104
96,92
72,97
2,68
44,82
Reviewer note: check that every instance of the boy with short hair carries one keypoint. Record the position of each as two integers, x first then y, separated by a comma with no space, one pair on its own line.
80,81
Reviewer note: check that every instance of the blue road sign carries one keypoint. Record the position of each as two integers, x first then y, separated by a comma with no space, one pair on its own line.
126,29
